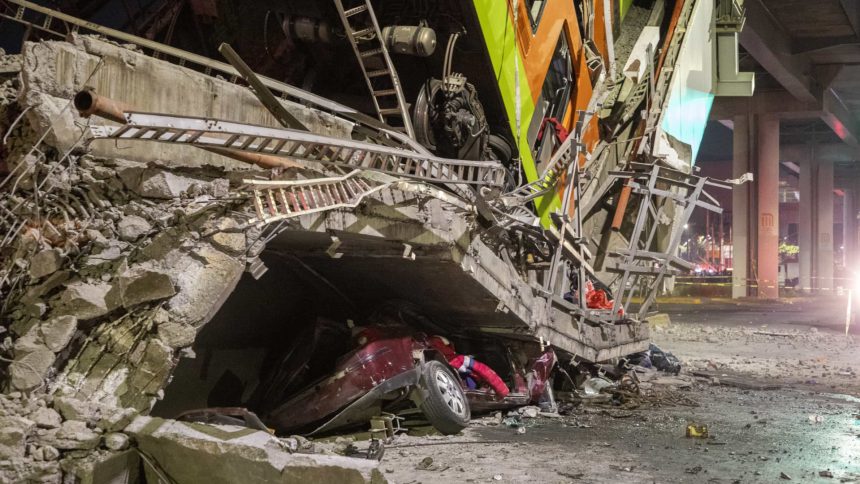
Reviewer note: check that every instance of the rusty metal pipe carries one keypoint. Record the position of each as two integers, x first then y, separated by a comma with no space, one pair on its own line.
261,160
89,103
621,207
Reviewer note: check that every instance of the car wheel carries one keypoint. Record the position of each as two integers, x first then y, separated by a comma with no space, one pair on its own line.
445,406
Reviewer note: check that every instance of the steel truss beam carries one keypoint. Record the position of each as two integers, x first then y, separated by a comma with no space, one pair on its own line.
656,187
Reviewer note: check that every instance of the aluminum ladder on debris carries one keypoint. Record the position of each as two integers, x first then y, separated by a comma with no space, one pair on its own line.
364,34
547,182
303,146
562,158
277,200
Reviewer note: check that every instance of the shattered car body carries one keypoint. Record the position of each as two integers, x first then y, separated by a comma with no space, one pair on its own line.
389,373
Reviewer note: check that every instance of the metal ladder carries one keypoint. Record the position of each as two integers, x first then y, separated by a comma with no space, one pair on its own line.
562,158
279,200
303,146
547,182
364,34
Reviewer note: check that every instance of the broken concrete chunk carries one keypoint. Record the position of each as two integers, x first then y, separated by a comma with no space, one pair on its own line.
203,286
143,285
57,332
162,244
220,224
13,436
96,237
113,418
36,309
54,281
18,470
105,417
151,371
109,253
160,316
30,342
46,418
21,326
74,409
226,224
529,411
116,441
72,435
28,371
133,227
177,335
103,467
155,183
219,187
45,263
233,243
50,453
230,454
86,301
48,113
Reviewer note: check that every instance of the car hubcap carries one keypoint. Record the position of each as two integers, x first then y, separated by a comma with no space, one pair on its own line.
451,393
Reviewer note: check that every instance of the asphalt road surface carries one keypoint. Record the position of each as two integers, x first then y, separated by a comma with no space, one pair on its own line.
804,428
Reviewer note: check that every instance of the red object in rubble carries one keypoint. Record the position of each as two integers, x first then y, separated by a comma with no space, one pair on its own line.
481,372
538,378
561,133
469,366
596,298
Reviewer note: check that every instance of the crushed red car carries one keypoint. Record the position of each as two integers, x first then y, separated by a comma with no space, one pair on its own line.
395,367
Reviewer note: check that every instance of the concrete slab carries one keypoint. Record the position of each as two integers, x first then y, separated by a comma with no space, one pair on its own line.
227,454
53,71
455,276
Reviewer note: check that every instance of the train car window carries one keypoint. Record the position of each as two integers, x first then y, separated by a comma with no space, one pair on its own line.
535,8
552,105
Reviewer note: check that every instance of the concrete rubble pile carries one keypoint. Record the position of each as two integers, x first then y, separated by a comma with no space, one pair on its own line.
108,268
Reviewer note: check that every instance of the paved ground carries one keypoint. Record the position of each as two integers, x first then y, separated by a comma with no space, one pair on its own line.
809,425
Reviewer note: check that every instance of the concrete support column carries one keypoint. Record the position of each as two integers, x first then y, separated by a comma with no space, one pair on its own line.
823,217
767,185
740,206
805,223
849,229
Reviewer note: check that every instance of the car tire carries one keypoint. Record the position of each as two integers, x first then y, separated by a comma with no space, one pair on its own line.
446,406
501,148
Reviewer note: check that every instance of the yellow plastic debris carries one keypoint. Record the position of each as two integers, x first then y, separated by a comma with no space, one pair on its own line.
697,431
